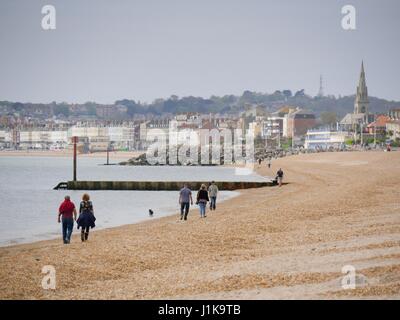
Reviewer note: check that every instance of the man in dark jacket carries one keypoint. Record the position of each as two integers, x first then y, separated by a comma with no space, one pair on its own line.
185,199
279,176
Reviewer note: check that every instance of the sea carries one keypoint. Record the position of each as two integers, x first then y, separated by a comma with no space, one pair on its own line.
29,205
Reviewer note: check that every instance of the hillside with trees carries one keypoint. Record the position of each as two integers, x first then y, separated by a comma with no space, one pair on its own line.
327,106
271,102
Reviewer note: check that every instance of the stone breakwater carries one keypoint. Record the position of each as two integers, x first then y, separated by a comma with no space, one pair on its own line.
141,160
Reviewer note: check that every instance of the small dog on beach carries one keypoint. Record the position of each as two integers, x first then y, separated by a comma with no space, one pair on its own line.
151,212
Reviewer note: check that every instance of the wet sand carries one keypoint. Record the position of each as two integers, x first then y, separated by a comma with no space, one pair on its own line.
271,243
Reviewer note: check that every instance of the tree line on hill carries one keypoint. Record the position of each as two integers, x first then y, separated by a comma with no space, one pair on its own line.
227,104
271,102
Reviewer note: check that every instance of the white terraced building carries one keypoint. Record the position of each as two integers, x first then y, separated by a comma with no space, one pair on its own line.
39,139
117,137
5,138
122,137
325,139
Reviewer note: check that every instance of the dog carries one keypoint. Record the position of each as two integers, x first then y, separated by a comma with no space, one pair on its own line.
151,212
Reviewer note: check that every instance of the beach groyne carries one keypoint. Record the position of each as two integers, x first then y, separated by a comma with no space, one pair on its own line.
160,185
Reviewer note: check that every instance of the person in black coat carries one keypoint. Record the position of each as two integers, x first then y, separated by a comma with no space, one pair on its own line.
279,177
202,199
86,217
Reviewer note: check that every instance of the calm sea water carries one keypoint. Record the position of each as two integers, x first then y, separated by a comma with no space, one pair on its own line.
28,205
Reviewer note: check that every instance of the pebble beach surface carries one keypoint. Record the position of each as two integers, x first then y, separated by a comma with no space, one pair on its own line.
336,210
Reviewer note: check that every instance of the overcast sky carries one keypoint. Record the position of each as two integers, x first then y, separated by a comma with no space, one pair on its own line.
145,49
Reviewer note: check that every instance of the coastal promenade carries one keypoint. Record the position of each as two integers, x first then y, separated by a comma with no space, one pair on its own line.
337,210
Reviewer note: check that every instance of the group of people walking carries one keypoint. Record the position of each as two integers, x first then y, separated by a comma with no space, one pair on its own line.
67,215
204,195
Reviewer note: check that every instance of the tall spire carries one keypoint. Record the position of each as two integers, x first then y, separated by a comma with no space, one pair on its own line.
362,84
361,103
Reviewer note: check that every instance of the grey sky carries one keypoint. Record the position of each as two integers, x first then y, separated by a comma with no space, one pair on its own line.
107,50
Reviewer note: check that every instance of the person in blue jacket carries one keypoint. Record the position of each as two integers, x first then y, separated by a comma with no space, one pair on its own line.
86,217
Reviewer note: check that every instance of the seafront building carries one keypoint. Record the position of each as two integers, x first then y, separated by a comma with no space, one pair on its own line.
41,139
393,128
379,125
393,125
104,137
288,122
394,114
95,137
5,139
323,139
273,126
298,122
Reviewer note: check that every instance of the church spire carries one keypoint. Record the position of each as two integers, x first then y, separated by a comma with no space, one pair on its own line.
361,103
362,84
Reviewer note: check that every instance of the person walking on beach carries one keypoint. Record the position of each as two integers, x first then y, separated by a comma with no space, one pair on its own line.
269,163
279,176
202,199
185,199
86,217
68,213
213,192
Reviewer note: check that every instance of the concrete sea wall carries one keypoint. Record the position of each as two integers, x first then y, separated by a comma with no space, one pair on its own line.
160,185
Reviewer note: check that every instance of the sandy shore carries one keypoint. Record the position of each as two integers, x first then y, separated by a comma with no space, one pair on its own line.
68,153
271,243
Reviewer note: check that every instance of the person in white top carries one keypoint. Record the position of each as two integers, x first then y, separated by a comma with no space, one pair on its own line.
213,192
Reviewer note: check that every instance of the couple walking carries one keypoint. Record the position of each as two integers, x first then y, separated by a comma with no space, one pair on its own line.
67,215
203,196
